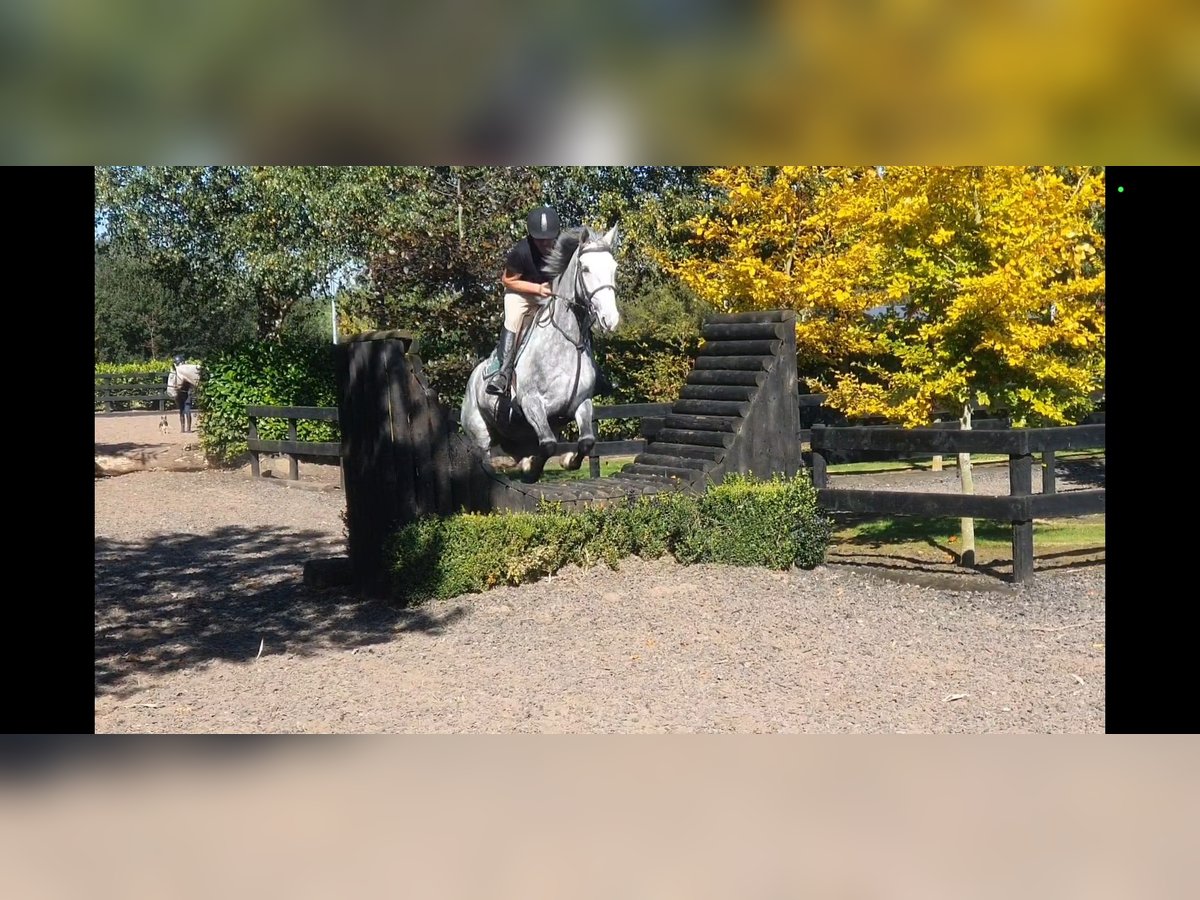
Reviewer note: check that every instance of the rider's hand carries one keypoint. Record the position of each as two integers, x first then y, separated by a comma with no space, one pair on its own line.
544,290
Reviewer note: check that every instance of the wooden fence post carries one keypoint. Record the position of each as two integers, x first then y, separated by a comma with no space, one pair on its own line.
1048,486
1020,484
820,477
293,463
253,434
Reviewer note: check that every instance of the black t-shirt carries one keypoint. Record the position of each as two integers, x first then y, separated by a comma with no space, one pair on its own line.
526,261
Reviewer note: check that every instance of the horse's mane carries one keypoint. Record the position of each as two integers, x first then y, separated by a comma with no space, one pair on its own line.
568,242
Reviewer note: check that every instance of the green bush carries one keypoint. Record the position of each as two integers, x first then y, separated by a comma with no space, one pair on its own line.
743,522
293,372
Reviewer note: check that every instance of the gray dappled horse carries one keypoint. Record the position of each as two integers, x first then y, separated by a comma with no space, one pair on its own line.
555,372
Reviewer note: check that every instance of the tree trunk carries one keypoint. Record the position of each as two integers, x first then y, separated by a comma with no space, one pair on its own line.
967,526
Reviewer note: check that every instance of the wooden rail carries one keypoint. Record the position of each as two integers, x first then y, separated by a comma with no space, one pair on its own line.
292,447
1019,508
152,388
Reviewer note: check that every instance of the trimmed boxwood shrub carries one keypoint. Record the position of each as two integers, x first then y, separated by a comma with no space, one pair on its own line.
742,522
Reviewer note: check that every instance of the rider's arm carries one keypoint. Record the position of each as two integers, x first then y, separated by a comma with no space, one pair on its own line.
512,281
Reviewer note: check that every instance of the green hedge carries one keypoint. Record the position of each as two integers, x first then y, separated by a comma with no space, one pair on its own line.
154,365
293,372
130,373
741,522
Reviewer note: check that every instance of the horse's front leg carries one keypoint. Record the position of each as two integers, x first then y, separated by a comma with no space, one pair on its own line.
535,414
587,437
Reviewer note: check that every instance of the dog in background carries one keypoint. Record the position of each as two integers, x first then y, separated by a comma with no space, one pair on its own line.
163,426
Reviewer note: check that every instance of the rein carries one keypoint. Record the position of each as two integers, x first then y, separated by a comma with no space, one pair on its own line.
585,325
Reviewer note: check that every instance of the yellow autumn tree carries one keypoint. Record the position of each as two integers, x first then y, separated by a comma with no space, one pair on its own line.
919,289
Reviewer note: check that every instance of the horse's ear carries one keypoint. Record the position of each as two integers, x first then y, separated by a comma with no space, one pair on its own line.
611,238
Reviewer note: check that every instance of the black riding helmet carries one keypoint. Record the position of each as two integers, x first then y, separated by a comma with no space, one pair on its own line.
178,359
543,223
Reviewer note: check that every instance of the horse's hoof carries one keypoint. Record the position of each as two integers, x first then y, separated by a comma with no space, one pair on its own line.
570,461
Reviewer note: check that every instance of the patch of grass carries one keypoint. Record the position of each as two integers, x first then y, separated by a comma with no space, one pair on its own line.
943,532
609,465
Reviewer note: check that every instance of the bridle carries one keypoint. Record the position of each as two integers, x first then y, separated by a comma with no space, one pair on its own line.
585,305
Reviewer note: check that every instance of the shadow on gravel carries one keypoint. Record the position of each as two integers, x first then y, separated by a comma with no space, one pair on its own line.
125,448
1084,474
987,575
172,603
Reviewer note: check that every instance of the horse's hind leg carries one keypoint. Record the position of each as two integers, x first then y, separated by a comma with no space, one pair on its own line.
587,437
477,432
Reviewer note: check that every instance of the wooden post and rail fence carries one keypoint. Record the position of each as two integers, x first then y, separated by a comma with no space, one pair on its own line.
989,436
131,389
1019,508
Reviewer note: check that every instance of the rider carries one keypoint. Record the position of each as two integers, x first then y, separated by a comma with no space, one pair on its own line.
525,286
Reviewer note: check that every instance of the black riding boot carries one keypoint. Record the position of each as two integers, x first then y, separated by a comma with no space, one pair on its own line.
499,382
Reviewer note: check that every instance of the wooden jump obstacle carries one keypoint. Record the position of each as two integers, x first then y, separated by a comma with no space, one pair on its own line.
404,456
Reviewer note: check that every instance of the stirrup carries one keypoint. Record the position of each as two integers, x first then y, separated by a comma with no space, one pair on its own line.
498,384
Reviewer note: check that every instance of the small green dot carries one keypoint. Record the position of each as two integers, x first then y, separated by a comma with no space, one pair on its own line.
1120,190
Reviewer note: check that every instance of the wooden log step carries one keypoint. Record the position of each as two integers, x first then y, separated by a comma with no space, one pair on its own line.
572,491
742,331
551,492
765,315
612,489
700,423
678,436
668,472
658,478
651,425
710,408
712,454
726,376
734,362
671,462
717,392
640,485
646,483
624,486
740,348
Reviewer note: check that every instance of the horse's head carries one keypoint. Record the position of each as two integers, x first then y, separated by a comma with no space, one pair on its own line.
598,279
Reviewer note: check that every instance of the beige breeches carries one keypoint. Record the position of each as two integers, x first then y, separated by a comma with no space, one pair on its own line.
515,307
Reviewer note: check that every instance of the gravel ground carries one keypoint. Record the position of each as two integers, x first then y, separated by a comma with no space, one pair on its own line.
203,625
